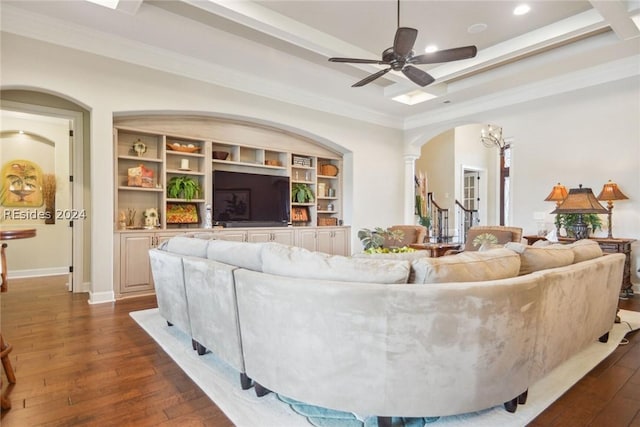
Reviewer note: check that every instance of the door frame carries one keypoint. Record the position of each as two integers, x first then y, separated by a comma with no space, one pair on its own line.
483,191
77,170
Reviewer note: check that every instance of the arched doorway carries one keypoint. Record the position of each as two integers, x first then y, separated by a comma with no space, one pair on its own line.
54,138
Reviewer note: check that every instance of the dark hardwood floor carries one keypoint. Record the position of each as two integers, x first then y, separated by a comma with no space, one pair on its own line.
81,364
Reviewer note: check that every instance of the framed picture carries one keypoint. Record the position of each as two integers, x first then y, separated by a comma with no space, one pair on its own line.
182,213
236,202
21,184
299,214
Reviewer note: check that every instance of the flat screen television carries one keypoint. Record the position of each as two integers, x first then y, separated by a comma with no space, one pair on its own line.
248,199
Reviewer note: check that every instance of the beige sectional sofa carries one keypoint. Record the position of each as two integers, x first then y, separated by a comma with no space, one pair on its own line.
389,337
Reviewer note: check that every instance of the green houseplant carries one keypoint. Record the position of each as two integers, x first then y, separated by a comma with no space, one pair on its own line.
301,193
183,187
373,240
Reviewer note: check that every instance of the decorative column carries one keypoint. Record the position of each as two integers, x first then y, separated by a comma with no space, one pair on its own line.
409,187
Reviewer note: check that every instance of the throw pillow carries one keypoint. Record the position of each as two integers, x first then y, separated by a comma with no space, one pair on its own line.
468,267
293,261
585,249
536,258
477,237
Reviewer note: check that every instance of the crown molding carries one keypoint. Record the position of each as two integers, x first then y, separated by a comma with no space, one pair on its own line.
50,30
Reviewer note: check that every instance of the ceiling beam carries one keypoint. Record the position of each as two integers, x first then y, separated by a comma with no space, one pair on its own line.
618,17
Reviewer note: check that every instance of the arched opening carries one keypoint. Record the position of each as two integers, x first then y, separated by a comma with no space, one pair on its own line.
465,180
49,131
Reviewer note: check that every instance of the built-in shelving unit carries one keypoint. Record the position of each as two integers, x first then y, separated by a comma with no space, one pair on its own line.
177,147
168,156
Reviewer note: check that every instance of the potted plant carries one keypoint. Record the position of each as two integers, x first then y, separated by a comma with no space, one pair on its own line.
183,187
301,193
373,240
567,221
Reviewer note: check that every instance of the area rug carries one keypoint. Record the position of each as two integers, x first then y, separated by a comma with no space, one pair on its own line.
221,383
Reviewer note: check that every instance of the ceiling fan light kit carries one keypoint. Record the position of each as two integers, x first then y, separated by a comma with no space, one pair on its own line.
400,57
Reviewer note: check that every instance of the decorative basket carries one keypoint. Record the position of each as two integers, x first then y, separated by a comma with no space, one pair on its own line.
327,221
329,170
182,148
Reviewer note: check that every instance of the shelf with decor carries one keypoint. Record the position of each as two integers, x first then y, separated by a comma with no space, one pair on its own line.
158,149
246,156
139,176
328,196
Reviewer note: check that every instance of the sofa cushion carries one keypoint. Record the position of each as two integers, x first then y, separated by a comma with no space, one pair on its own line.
298,262
541,258
468,267
585,249
479,237
185,246
410,256
241,254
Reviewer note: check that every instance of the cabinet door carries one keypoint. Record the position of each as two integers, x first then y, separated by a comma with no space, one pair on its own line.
259,236
135,269
324,240
236,235
341,240
334,241
306,238
286,237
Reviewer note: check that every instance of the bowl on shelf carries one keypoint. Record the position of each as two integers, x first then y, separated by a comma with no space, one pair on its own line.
220,155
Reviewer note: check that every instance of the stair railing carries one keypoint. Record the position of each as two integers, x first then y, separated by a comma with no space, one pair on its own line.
467,218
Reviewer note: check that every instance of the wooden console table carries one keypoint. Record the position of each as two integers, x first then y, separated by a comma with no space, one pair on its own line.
5,349
436,249
611,246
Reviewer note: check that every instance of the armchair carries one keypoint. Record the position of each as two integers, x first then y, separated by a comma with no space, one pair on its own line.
412,234
493,234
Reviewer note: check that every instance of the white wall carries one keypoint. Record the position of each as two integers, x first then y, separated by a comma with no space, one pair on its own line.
587,136
374,154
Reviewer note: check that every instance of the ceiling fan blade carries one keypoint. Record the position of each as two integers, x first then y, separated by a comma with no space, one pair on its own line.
404,40
357,61
446,55
371,77
417,76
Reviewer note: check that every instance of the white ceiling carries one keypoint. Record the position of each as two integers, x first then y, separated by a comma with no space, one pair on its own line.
280,49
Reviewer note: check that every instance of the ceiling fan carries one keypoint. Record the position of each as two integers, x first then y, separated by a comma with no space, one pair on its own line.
401,57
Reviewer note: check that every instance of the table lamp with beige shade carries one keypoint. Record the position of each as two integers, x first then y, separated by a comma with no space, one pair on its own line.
609,193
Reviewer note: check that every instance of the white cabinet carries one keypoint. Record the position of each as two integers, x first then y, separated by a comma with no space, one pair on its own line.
133,269
331,240
284,236
307,238
237,235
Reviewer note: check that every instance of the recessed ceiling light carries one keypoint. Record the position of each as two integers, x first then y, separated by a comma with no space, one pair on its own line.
522,9
415,97
477,28
431,48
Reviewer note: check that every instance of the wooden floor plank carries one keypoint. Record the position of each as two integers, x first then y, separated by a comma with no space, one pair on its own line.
80,364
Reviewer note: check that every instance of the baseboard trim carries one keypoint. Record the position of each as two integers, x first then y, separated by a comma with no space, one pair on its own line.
101,297
37,272
84,287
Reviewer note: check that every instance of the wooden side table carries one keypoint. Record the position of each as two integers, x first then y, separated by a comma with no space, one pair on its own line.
5,348
436,249
610,246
